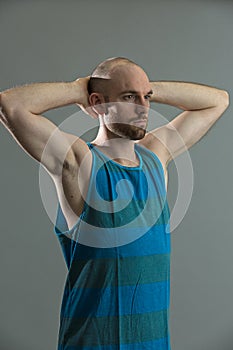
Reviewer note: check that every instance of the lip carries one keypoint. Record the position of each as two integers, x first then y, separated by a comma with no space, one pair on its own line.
140,122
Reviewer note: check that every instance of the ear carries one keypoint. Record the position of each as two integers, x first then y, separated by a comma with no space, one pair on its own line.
97,102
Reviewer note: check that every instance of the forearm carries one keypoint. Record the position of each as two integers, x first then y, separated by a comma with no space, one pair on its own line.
40,97
187,96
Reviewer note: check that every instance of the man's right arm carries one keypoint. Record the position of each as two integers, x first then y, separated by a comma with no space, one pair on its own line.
21,110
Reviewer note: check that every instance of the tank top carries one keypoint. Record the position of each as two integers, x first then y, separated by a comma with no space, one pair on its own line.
117,291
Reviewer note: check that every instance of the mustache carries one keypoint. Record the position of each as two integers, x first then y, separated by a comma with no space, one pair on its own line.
140,117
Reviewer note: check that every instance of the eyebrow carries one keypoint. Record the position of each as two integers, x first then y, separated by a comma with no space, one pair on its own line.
135,92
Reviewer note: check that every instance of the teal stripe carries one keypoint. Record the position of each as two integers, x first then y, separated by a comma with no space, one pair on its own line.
158,344
134,215
110,272
135,299
114,330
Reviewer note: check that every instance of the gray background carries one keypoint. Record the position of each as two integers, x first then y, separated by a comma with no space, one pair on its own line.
172,40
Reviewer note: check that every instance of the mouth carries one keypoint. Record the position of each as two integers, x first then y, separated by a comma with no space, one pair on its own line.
140,122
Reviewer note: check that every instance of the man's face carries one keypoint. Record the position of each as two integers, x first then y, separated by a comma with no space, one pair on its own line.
128,102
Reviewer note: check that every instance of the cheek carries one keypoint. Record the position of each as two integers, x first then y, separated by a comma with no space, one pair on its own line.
120,112
126,111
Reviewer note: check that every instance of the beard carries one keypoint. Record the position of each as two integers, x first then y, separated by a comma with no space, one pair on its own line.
127,131
121,119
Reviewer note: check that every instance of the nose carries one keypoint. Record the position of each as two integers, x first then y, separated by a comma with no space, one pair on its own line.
143,101
142,105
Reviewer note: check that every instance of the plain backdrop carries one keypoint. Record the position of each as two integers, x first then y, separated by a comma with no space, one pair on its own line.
172,40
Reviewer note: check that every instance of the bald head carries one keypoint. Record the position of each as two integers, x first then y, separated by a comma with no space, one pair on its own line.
105,71
105,68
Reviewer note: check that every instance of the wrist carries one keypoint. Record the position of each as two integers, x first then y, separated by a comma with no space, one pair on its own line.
156,88
81,90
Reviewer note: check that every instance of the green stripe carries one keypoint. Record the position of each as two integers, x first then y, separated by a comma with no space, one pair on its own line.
133,214
114,330
111,272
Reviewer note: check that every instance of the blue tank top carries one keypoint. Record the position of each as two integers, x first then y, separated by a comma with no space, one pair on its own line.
117,290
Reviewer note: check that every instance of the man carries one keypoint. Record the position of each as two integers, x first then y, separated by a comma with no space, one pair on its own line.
117,251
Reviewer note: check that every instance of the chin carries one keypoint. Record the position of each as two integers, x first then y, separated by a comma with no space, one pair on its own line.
139,136
137,133
131,133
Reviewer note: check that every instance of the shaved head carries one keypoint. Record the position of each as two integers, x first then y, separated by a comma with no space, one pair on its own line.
105,68
105,71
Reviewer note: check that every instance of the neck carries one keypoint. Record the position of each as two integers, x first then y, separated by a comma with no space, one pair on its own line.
116,147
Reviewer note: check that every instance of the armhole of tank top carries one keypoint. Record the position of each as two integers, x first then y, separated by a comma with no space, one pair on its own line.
60,231
164,183
155,157
93,165
161,167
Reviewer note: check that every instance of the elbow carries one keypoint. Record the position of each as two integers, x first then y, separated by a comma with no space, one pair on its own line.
7,106
225,99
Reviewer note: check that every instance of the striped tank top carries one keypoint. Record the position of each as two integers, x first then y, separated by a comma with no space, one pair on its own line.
117,291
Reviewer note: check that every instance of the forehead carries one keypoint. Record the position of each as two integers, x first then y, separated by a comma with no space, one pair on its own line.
129,77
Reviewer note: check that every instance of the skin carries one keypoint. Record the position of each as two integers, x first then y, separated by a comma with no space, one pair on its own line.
68,159
125,117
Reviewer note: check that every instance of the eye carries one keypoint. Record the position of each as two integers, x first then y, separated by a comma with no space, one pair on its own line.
147,97
129,97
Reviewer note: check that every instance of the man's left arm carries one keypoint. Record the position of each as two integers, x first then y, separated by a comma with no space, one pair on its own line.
202,105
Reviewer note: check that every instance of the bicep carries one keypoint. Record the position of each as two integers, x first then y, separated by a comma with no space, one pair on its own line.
41,139
189,127
183,132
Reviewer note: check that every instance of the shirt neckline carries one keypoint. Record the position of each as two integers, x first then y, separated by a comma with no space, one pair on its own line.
118,164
